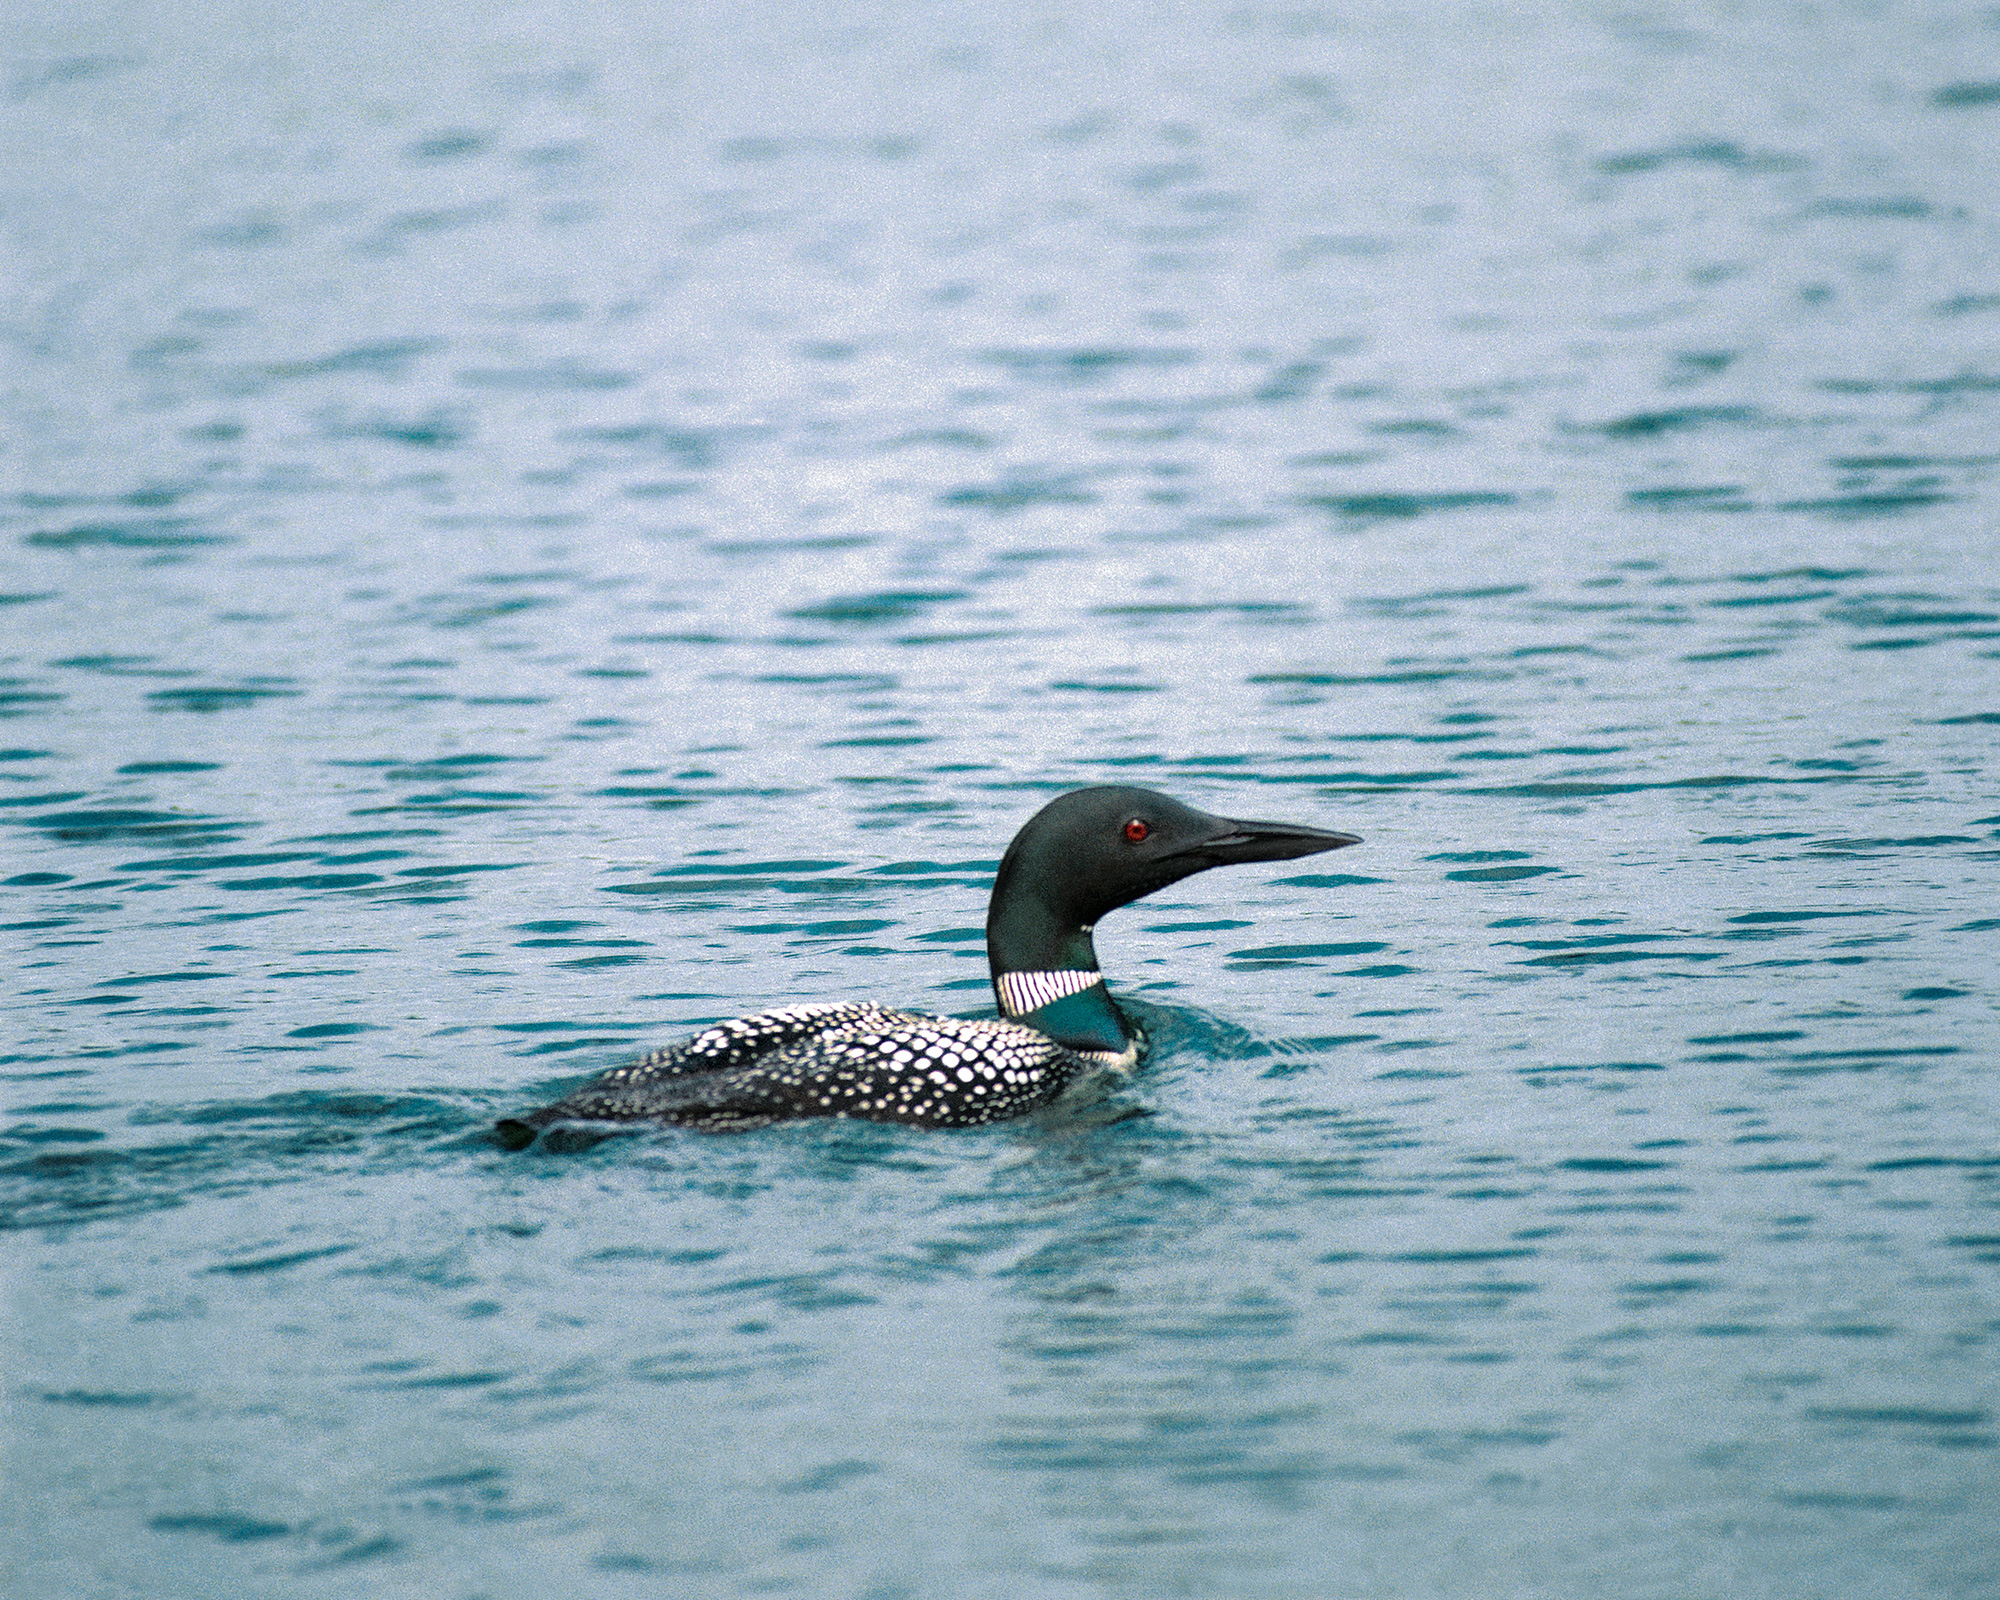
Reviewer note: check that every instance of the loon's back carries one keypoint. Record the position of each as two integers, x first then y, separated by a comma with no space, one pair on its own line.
848,1059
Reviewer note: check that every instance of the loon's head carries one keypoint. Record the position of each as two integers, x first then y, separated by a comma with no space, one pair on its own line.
1094,850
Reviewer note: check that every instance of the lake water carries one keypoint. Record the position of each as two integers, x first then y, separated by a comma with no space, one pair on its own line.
527,529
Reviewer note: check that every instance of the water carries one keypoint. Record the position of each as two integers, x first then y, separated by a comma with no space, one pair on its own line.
528,531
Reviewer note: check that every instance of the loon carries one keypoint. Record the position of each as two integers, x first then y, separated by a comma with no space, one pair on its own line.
1083,854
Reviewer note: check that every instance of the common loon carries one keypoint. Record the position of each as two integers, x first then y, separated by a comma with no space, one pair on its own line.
1083,854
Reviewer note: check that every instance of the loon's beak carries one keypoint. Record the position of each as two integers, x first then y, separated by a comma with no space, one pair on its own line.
1267,841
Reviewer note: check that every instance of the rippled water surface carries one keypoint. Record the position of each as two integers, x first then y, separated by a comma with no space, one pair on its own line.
529,529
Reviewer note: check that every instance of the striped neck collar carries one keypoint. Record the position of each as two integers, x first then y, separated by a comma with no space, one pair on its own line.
1023,992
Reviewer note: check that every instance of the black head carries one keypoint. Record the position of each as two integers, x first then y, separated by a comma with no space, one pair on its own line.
1093,850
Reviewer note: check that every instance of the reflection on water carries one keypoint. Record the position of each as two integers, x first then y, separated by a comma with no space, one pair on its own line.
526,538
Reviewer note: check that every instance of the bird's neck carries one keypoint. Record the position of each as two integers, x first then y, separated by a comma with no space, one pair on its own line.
1045,976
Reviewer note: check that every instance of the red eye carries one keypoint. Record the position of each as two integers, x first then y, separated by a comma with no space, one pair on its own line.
1136,830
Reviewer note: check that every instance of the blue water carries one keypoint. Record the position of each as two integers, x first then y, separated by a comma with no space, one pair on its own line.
528,529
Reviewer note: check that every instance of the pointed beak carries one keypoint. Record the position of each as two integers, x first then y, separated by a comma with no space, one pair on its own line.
1266,841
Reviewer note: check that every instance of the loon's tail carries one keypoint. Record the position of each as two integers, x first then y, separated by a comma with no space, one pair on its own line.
580,1122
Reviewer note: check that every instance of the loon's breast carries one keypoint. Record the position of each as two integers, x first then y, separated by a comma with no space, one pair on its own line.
848,1059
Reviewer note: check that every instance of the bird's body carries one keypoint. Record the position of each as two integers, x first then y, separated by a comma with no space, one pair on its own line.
845,1059
1085,853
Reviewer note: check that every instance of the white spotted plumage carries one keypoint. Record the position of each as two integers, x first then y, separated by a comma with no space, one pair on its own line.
848,1059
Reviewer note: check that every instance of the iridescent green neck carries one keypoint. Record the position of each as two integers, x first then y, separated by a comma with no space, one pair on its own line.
1086,1020
1029,941
1039,922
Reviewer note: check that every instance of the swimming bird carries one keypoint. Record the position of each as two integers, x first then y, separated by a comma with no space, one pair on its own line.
1082,855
